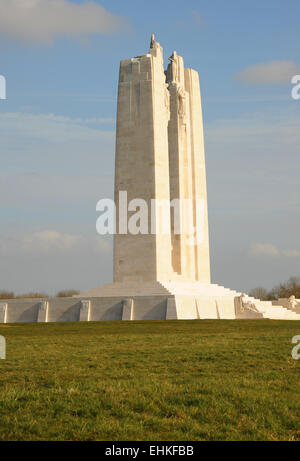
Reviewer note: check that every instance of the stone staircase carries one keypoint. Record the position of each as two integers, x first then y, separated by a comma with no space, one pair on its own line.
187,288
269,311
159,288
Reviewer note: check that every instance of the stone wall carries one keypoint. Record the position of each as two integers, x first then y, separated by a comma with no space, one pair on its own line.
115,308
74,309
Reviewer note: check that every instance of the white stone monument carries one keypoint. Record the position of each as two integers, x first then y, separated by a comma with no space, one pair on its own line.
160,157
163,272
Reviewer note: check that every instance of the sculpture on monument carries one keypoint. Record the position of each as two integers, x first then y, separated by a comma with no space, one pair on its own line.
172,71
153,43
293,302
246,304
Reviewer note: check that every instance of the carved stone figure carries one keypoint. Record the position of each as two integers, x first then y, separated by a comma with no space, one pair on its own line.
172,71
153,43
293,302
246,304
181,102
167,99
243,301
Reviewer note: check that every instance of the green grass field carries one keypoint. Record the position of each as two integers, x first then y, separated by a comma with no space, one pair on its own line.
175,380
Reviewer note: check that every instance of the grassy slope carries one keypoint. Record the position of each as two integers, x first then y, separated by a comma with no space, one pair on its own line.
176,380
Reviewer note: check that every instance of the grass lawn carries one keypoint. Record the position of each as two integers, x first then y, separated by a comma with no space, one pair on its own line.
154,380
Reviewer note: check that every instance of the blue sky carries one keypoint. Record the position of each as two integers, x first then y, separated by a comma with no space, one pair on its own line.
57,132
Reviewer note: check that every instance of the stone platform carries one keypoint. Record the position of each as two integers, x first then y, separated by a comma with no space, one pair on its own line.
170,300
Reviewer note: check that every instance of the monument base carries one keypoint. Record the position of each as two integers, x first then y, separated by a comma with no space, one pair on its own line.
171,300
183,300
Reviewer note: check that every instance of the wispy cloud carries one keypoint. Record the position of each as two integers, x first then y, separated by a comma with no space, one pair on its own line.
49,260
54,143
51,127
264,134
51,241
53,192
271,251
42,21
270,72
197,18
54,118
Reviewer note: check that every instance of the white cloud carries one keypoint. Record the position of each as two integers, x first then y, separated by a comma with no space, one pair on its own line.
44,20
264,249
48,143
51,241
291,253
49,261
269,250
53,192
45,130
54,118
270,72
46,125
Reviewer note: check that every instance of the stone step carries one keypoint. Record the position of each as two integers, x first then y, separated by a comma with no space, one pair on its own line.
276,312
187,288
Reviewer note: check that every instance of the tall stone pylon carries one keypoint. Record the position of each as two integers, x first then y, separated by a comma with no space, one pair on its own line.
142,166
160,155
190,250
